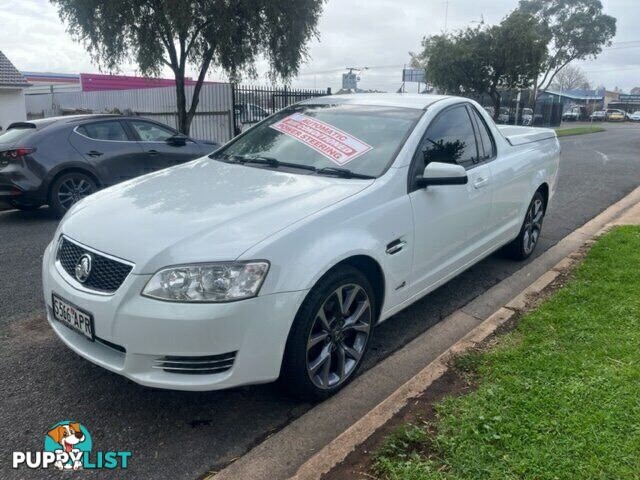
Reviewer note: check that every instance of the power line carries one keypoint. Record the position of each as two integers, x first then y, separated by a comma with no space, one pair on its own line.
338,70
624,69
626,41
627,44
624,47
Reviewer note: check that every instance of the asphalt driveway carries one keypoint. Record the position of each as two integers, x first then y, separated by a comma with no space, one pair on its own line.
183,435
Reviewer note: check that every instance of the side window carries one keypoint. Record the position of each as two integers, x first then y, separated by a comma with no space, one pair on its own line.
150,132
258,112
488,147
450,139
104,131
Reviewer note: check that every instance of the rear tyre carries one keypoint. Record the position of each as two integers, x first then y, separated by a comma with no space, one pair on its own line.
25,206
69,189
525,243
330,335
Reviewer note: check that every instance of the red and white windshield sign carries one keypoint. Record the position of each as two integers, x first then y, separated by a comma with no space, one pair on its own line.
333,143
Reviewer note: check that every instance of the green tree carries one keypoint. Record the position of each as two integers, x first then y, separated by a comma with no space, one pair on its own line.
230,34
485,59
577,30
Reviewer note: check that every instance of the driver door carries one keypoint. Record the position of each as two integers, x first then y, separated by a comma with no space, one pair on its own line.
160,154
450,221
109,148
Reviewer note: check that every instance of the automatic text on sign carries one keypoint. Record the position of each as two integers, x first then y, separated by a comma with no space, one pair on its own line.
333,143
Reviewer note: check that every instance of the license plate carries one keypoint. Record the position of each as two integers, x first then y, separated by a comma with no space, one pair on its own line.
73,317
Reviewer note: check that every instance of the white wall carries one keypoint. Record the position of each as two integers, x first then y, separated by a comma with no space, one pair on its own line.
213,120
12,107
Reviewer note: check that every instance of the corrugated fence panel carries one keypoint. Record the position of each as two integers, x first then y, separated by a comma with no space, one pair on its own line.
213,119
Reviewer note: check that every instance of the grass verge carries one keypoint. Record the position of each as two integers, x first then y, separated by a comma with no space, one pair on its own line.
557,398
565,132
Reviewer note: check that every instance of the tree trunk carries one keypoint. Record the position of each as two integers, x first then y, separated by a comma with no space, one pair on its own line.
184,122
497,101
533,98
195,99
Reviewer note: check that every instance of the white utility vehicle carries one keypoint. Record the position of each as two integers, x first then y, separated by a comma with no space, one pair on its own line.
277,255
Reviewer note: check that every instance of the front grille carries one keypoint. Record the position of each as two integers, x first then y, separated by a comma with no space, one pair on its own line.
106,274
196,365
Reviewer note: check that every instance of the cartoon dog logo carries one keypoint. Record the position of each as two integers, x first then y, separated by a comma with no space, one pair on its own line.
68,436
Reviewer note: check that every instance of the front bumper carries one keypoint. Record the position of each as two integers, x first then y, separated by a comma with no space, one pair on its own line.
134,333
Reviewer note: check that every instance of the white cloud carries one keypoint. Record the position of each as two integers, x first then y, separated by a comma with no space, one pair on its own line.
373,33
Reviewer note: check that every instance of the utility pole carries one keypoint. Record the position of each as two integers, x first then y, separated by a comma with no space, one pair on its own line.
446,15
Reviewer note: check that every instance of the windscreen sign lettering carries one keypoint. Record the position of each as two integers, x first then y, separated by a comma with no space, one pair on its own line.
327,140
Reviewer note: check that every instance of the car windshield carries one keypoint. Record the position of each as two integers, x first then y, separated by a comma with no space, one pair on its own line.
14,134
360,139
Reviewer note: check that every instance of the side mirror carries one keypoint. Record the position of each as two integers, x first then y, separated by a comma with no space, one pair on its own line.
177,140
437,173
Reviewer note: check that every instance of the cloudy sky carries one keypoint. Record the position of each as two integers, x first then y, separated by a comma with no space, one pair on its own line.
353,33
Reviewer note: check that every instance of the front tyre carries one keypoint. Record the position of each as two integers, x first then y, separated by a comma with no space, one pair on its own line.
68,189
330,335
525,243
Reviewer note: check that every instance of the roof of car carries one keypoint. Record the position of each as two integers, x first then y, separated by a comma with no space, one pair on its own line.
43,122
403,100
90,116
40,123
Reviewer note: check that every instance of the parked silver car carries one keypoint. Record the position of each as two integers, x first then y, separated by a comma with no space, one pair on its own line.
635,116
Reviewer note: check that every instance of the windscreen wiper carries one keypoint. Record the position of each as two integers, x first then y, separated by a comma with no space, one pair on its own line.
342,172
275,163
271,162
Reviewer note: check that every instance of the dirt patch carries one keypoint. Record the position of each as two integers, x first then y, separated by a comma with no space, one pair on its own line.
459,379
418,411
34,327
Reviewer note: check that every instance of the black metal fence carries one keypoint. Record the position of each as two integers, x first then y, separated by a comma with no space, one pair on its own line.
251,104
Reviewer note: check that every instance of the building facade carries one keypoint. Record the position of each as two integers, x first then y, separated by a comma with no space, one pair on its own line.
12,86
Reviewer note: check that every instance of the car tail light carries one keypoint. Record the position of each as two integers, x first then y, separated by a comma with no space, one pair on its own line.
8,155
17,152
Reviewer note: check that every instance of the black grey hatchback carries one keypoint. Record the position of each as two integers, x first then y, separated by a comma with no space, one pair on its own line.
60,160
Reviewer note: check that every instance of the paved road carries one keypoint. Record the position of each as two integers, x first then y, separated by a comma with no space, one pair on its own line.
183,435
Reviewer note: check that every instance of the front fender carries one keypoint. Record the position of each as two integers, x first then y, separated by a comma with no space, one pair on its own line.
300,268
301,254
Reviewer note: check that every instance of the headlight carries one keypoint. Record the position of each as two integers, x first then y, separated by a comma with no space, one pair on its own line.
210,282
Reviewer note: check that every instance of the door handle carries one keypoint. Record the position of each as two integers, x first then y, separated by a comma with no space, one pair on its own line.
395,246
94,153
153,152
480,182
